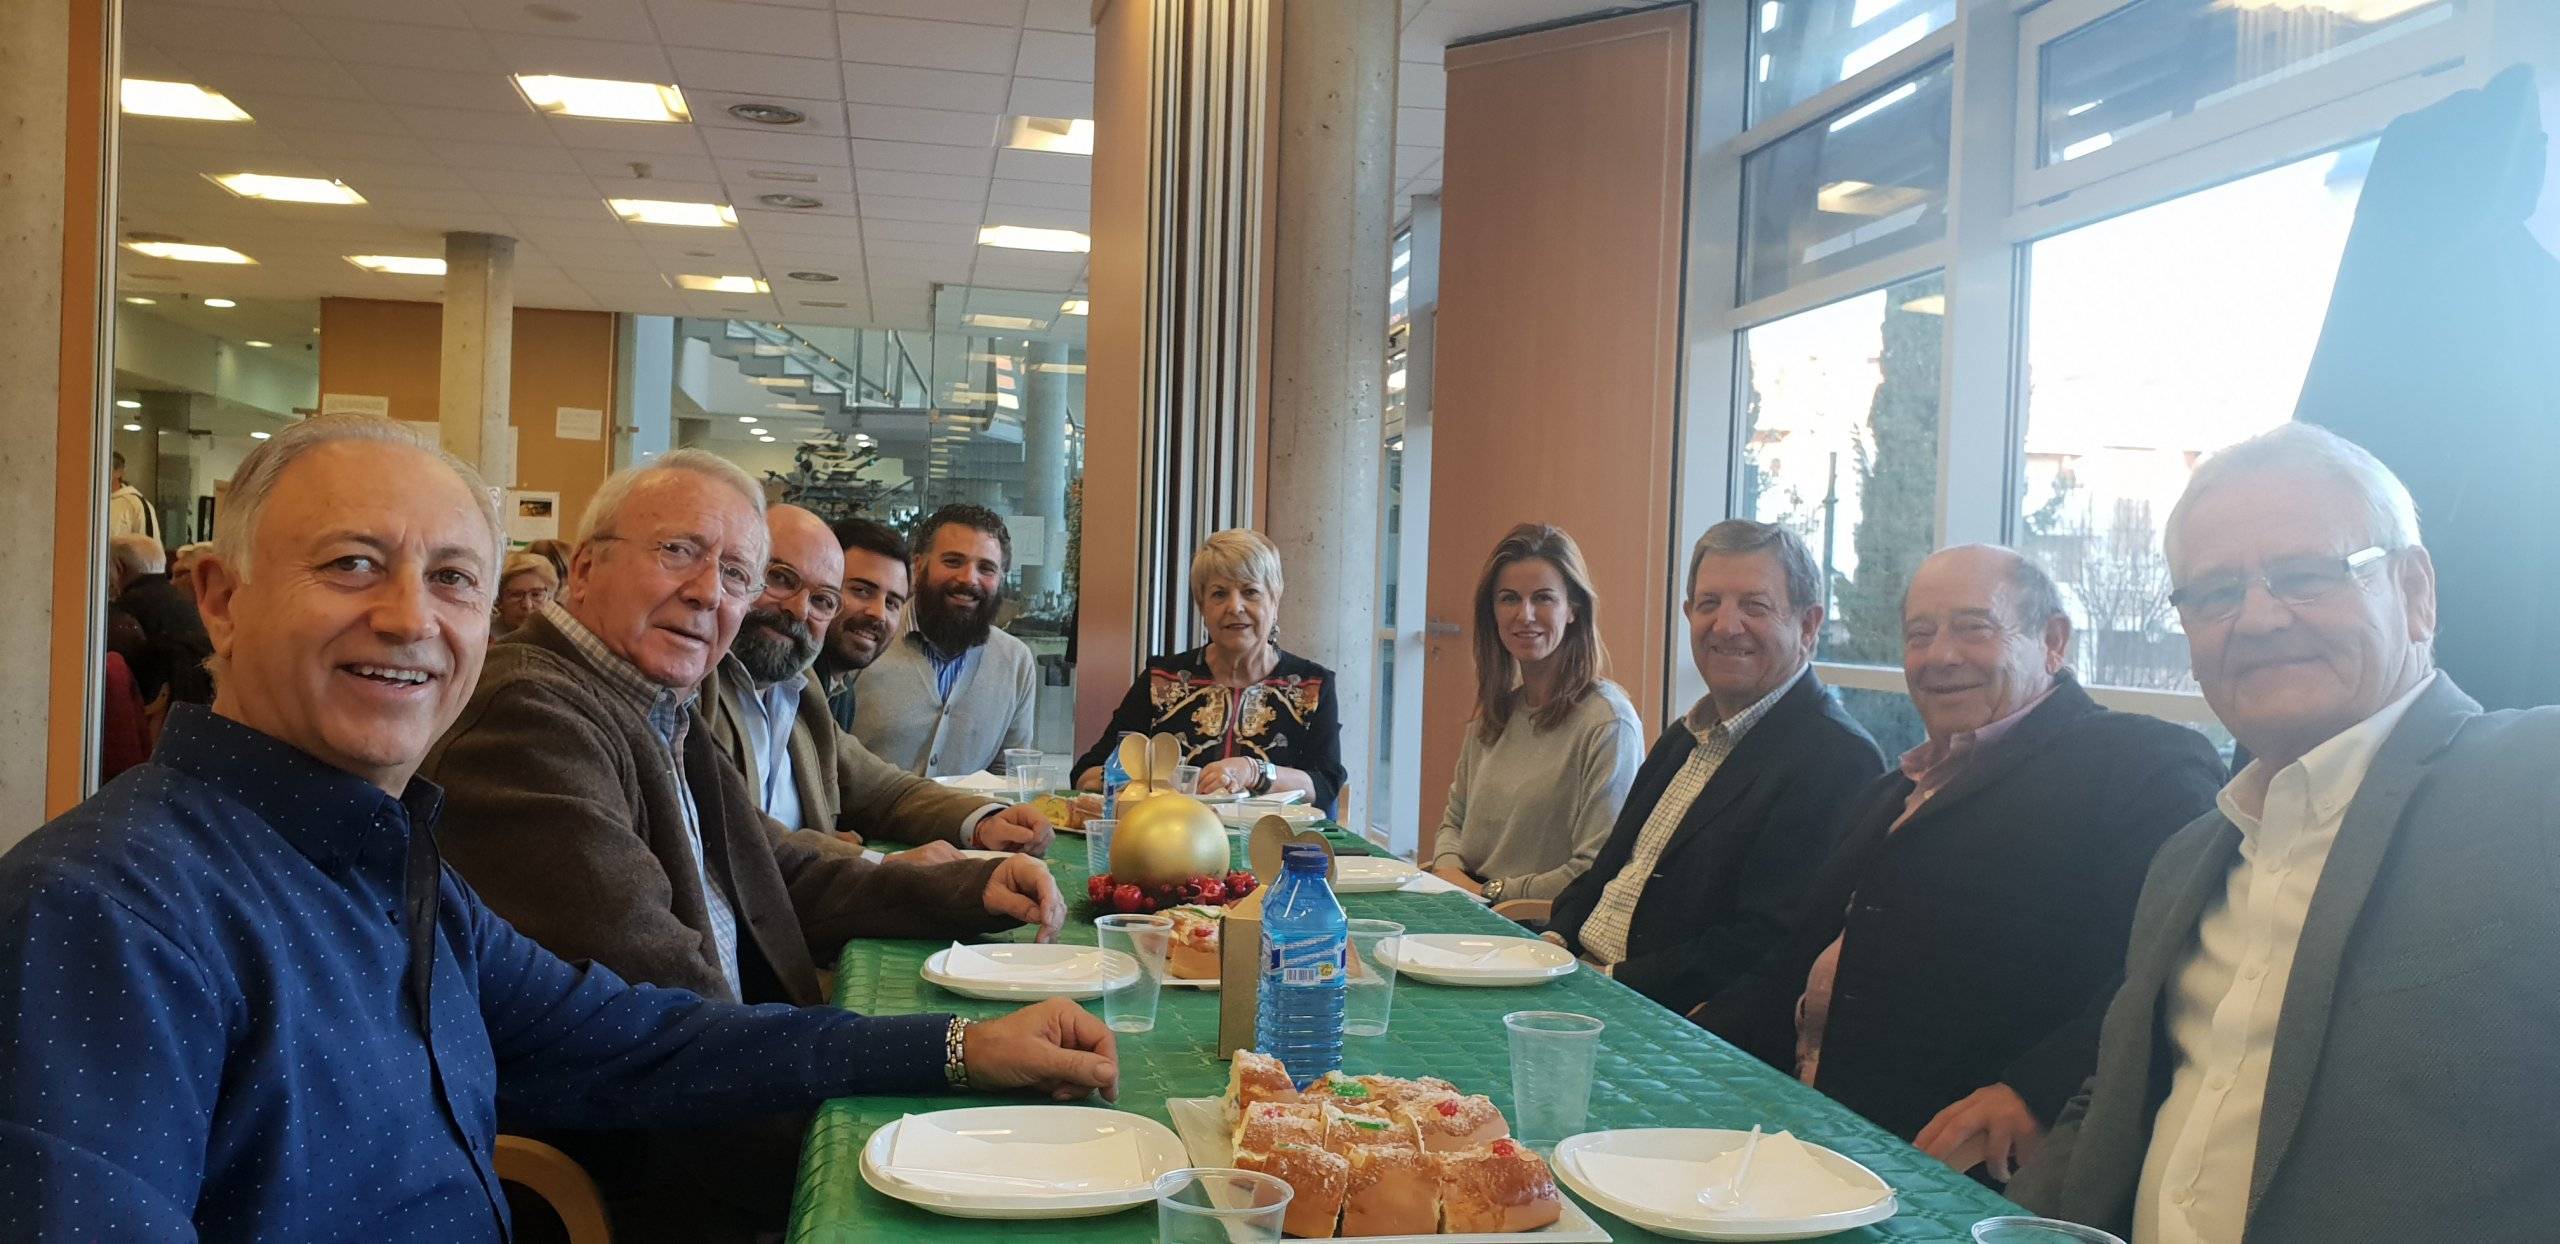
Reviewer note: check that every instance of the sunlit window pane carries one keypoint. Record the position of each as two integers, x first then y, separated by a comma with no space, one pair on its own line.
1800,48
2153,339
1863,183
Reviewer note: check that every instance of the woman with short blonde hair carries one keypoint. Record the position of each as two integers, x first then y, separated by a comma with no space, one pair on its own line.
525,585
1256,720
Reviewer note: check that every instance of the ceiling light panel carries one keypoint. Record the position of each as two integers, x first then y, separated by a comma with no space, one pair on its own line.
1023,237
400,265
276,189
668,212
1063,135
143,97
725,285
188,252
604,99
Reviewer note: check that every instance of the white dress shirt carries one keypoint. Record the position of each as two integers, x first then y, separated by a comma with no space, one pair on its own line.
2223,1005
769,715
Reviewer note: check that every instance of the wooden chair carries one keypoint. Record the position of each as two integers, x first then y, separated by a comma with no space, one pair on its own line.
560,1182
1530,913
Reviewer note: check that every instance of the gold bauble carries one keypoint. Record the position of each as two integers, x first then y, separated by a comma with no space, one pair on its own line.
1134,793
1169,838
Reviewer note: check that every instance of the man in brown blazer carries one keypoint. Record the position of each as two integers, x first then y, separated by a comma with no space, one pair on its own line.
770,718
588,804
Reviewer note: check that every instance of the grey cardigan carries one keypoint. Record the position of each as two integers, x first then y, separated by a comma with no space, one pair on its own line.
899,716
1533,809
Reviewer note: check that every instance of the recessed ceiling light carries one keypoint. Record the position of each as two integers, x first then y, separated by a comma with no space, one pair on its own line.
133,427
815,278
400,265
1063,369
670,212
1076,306
259,345
184,100
602,98
220,304
746,418
286,189
126,403
724,284
790,202
188,252
980,319
1024,238
1064,135
260,436
780,382
767,114
138,301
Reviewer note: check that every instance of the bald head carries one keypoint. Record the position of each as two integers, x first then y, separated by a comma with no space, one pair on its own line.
803,590
1983,634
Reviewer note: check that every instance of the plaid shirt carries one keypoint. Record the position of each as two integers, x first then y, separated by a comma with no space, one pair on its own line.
1604,934
670,714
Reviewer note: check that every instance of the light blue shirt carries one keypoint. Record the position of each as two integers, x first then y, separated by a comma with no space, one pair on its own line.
947,671
770,713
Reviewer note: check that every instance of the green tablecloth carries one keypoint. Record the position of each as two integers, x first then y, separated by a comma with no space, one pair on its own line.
1656,1070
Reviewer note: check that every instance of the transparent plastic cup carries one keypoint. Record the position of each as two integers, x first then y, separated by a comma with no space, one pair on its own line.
1022,770
2021,1230
1552,1053
1215,1205
1373,979
1097,845
1186,779
1145,938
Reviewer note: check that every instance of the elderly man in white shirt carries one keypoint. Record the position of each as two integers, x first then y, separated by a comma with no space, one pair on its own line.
2340,999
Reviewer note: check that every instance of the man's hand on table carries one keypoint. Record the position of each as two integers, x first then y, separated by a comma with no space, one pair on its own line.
1991,1128
1053,1047
1023,890
1018,828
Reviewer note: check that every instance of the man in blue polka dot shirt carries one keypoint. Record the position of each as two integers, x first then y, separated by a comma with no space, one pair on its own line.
215,1022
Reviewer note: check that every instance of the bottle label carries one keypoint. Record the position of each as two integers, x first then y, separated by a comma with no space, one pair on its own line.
1306,960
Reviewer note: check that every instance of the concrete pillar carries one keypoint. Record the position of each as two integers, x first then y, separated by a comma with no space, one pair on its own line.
479,349
644,388
1328,345
1044,462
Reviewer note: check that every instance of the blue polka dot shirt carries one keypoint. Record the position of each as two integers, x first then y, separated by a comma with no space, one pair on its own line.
204,1031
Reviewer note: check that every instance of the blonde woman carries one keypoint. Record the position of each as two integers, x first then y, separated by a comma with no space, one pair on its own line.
1254,718
524,587
1554,744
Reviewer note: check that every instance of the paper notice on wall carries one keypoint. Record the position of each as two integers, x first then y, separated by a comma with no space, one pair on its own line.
532,516
1030,539
577,424
354,404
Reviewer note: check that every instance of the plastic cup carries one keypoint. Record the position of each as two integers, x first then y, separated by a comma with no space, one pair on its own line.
2021,1230
1216,1205
1022,768
1186,779
1372,992
1145,938
1552,1053
1097,845
1052,774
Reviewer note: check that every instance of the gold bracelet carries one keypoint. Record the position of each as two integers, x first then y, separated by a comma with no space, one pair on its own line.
955,1055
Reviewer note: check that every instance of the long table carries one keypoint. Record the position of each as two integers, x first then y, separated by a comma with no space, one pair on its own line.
1655,1070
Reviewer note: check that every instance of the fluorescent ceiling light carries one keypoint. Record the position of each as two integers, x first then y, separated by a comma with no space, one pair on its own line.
1927,304
1076,306
728,285
276,189
260,436
1063,135
259,345
980,319
806,407
1025,238
1063,369
220,304
1395,381
1874,106
1887,44
1858,198
602,98
133,427
188,252
1007,401
767,349
1770,14
746,418
669,212
126,403
2098,142
139,301
1764,67
1403,258
400,265
1869,10
780,382
2076,109
184,100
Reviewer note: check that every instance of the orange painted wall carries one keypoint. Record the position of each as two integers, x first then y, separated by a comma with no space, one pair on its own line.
562,358
79,503
1106,575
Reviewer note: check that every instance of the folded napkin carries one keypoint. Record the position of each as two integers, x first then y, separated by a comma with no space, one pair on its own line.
1786,1181
1427,883
925,1154
1426,955
982,781
970,963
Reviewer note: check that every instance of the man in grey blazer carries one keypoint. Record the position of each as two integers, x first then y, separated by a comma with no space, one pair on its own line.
2340,1020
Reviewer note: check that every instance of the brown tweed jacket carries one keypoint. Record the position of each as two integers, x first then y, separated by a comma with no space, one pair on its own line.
561,809
842,786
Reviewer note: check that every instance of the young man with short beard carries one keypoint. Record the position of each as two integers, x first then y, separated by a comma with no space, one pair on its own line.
949,696
876,588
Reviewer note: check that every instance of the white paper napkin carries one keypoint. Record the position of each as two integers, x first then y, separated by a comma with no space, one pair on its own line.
970,963
981,781
1424,954
1786,1181
927,1155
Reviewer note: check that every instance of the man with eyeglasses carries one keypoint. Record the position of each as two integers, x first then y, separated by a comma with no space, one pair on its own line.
587,802
2340,1016
771,718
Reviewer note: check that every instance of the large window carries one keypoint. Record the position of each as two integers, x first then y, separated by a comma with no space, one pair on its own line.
1859,185
2154,339
1799,48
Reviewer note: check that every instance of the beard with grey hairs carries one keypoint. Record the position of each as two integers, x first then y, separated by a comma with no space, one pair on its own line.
773,646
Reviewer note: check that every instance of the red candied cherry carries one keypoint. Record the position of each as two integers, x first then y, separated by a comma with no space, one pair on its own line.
1240,883
1128,898
1504,1149
1448,1110
1097,887
1211,890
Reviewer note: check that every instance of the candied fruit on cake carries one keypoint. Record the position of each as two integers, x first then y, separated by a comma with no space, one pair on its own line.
1499,1188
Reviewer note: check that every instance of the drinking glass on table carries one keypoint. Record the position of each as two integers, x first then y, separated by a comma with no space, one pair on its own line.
1373,979
1220,1206
1097,845
1552,1053
2022,1230
1052,775
1186,779
1022,770
1147,939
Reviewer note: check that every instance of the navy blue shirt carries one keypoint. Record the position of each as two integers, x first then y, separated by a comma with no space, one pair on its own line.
203,1024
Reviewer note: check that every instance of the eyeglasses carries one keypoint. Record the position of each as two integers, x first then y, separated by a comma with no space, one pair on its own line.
684,557
2294,581
781,580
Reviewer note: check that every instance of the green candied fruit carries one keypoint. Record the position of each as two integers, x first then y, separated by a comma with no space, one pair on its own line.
1350,1090
1369,1125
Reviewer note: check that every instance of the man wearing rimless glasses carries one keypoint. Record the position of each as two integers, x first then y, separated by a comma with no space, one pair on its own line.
2342,991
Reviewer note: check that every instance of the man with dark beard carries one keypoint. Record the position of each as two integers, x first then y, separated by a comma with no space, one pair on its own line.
875,609
770,718
949,696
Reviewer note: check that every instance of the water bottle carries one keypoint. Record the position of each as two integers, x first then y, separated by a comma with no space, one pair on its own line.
1305,969
1114,776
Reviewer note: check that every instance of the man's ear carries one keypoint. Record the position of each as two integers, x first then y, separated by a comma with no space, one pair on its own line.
2417,578
2057,643
217,584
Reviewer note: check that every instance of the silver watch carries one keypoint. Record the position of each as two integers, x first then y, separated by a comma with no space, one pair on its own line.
1270,774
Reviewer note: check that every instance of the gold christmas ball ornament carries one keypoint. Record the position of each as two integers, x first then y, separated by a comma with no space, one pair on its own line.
1167,839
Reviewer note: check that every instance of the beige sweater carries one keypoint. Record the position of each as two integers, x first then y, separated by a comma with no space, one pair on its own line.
1533,809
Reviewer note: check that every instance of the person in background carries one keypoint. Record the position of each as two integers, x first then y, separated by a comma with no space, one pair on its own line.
951,695
1980,896
557,553
875,609
174,648
124,724
218,975
129,513
1254,718
182,567
527,584
770,722
588,803
2337,1013
1554,745
1740,801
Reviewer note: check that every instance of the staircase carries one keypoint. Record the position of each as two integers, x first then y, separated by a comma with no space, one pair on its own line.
882,376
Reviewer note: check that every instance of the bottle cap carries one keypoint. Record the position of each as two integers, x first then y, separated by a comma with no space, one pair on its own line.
1303,857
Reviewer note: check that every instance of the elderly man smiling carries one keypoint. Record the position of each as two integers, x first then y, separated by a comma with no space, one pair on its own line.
2339,1012
241,1000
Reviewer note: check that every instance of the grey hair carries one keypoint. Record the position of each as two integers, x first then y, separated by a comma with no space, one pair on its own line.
1739,536
617,488
235,528
1240,555
2038,601
139,554
2390,513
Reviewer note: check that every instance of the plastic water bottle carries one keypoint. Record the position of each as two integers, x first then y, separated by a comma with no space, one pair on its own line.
1305,969
1114,776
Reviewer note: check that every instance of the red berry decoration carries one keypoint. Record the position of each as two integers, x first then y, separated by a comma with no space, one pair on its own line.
1448,1110
1209,890
1128,898
1504,1148
1096,887
1240,883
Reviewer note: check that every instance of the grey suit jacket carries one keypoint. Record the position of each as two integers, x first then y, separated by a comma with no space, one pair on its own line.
2414,1092
842,786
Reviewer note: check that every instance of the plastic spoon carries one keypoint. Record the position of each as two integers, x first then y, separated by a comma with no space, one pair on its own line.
1730,1195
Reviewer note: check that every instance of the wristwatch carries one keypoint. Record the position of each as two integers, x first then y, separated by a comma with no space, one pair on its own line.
1493,891
1270,774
